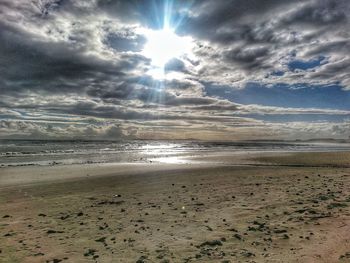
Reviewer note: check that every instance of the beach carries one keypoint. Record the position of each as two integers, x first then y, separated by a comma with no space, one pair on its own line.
271,207
172,131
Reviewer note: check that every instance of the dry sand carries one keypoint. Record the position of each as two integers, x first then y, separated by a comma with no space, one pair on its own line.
285,208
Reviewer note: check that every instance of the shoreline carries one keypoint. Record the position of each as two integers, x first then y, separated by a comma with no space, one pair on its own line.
178,212
32,174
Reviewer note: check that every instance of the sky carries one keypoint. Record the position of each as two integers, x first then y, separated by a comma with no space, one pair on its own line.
147,69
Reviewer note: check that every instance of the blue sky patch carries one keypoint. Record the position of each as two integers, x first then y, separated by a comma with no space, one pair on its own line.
305,65
283,95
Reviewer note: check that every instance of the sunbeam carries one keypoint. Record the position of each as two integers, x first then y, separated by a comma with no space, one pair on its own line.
163,45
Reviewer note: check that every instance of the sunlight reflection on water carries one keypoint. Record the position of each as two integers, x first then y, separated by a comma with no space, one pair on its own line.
171,160
161,149
165,153
36,152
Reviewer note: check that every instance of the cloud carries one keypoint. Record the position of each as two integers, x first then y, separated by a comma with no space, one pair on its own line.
37,130
256,38
78,65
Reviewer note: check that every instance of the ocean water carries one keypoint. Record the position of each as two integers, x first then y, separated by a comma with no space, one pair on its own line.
35,152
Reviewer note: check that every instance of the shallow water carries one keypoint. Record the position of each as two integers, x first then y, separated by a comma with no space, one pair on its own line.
34,152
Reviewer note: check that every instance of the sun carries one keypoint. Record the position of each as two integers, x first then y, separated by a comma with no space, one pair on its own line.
163,45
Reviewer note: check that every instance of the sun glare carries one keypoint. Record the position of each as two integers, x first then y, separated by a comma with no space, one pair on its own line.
163,45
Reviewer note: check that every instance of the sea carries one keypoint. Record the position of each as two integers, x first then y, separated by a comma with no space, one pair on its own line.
59,152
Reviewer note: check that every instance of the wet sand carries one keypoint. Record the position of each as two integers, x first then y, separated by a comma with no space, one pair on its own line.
270,208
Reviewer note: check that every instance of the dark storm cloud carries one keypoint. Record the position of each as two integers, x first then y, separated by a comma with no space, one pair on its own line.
27,63
319,13
58,58
337,46
229,20
124,42
122,38
247,58
256,21
257,41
